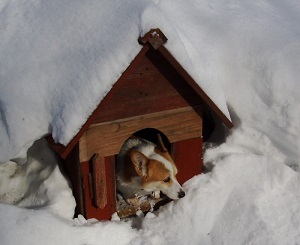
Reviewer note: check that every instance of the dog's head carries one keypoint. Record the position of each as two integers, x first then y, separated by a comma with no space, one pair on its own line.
157,171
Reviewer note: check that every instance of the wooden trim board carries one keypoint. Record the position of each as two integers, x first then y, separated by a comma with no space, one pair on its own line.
106,139
195,86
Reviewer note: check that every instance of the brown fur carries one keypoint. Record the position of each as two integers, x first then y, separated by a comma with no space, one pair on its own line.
139,174
156,172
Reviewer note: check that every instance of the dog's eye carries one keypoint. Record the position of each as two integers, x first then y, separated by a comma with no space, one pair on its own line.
167,179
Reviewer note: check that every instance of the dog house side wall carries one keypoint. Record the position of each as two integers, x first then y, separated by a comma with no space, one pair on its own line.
187,155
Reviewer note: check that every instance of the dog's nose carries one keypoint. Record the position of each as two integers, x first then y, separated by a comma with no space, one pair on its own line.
181,194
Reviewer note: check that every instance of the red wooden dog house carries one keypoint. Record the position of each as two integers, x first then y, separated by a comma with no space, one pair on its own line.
154,94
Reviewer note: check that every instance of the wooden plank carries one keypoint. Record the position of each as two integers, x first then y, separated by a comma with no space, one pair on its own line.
107,138
99,181
91,210
126,210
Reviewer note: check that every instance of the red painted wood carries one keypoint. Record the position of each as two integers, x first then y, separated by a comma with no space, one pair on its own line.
91,210
151,87
187,155
98,178
195,86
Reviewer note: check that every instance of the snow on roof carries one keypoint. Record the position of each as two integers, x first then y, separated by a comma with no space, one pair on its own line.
59,59
252,193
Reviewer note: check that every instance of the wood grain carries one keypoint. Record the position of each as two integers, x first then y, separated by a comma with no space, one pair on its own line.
152,86
90,209
99,181
107,138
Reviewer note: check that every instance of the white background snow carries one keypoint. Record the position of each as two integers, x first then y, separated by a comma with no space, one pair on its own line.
58,59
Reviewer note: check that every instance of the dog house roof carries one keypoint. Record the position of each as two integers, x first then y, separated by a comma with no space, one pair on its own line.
154,39
58,62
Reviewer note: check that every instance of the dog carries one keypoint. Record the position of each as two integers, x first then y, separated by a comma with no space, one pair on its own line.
144,168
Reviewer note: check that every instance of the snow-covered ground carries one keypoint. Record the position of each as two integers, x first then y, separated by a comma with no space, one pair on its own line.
247,52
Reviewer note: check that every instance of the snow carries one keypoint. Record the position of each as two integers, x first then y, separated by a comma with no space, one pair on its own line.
64,58
244,54
38,183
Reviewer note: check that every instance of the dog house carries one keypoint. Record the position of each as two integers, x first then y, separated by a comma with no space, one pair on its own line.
154,94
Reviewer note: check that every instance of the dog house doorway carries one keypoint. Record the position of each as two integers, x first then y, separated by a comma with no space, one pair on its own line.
148,203
150,134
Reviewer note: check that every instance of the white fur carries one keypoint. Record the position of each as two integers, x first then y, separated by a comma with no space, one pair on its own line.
134,187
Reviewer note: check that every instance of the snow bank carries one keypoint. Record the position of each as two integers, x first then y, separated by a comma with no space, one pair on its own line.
38,183
58,61
247,199
35,227
241,202
251,193
253,49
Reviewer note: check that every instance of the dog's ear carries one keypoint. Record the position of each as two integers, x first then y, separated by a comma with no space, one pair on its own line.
139,161
160,144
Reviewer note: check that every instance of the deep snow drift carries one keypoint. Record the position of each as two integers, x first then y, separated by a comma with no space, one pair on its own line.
64,58
251,50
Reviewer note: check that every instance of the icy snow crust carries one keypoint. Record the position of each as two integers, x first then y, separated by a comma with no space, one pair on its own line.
246,51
